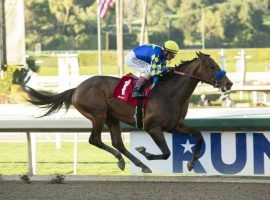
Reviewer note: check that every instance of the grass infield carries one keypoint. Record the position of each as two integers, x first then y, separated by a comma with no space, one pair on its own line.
91,160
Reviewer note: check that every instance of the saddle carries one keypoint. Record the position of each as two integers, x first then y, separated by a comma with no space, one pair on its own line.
123,92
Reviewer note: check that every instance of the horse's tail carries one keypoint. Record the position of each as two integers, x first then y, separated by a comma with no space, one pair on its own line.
51,102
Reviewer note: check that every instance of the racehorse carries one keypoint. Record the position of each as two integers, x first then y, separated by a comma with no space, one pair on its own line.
165,111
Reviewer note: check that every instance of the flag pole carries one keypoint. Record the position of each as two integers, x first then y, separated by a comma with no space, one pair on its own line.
3,53
144,32
99,40
119,36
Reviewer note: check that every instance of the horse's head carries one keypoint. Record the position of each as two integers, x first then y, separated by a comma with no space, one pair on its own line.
211,72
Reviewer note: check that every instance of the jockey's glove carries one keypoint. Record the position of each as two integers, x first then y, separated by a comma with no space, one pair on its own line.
171,69
155,79
164,70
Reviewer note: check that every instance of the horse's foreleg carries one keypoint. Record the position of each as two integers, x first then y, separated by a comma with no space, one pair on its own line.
158,137
199,139
117,143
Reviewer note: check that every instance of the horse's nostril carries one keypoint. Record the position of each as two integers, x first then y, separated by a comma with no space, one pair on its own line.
229,85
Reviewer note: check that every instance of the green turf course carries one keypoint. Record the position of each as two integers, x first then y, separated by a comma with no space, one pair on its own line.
91,160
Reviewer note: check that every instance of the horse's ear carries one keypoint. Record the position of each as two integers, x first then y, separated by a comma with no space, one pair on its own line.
200,55
203,54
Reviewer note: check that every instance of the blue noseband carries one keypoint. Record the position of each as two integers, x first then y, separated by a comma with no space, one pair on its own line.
220,74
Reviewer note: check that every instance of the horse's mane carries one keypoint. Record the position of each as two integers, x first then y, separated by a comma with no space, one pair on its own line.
178,67
183,63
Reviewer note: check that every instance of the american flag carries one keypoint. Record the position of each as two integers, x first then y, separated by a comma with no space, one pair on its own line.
104,6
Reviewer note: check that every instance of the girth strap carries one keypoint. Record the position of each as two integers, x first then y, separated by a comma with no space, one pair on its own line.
139,113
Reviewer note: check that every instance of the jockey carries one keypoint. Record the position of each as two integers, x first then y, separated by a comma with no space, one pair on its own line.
151,60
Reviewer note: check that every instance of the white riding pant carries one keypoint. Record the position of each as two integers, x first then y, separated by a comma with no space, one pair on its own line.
139,65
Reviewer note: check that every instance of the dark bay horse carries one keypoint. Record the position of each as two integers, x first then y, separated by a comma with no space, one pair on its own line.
165,111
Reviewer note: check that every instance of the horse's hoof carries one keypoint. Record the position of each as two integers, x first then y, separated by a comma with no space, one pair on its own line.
121,164
146,170
141,149
190,165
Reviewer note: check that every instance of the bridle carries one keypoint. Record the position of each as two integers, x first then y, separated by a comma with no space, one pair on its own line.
214,81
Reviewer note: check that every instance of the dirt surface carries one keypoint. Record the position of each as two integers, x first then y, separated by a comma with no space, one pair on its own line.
132,190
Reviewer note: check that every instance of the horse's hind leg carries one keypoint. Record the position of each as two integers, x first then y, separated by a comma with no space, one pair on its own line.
95,138
117,143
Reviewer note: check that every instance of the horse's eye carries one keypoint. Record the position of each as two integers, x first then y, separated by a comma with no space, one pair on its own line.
212,67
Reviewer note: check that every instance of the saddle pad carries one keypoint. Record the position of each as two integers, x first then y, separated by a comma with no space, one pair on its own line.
123,90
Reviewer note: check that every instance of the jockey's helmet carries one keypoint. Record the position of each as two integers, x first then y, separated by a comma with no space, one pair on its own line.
171,46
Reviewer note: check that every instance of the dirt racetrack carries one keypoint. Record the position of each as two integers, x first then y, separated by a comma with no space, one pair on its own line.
202,189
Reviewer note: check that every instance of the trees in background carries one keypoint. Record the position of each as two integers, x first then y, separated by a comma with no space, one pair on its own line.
71,24
60,25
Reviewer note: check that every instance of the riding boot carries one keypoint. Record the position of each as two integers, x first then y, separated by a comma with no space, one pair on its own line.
137,93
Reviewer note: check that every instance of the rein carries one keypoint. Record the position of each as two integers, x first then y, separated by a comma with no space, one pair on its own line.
195,77
213,82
